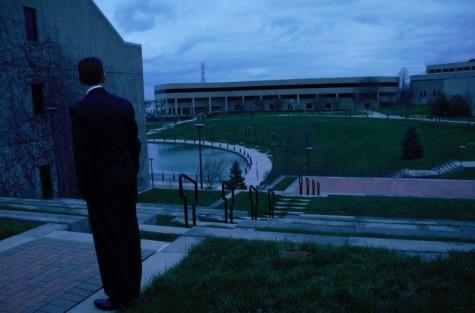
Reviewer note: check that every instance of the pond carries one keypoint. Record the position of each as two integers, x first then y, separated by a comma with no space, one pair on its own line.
170,158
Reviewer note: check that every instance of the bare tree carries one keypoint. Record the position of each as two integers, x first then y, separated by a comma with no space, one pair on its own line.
405,92
212,171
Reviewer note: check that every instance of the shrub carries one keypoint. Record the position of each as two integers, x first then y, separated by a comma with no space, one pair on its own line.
459,106
440,106
411,146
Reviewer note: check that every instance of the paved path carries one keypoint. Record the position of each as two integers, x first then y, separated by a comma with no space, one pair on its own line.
399,187
260,163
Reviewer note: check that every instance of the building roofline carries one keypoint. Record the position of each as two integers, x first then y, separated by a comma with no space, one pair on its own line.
112,26
277,82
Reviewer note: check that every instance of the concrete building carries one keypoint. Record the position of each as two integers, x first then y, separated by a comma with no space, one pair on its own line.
296,94
449,79
41,42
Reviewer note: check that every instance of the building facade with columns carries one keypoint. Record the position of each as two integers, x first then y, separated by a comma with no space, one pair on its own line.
351,93
449,79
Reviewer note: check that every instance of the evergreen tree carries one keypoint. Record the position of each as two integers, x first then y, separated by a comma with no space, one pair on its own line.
411,146
235,178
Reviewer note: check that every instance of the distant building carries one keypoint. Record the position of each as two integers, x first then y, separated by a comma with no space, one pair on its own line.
41,42
449,79
296,94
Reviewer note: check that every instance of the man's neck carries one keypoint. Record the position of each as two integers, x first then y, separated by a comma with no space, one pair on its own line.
93,87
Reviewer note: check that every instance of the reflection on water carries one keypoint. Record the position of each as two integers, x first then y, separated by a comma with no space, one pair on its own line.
184,158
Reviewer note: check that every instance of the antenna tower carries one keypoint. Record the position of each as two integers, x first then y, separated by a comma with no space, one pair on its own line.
203,72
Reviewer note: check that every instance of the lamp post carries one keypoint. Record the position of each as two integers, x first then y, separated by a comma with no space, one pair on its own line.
274,155
151,171
199,127
286,156
309,151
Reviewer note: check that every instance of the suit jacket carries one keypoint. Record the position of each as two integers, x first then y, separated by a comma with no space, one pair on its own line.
105,137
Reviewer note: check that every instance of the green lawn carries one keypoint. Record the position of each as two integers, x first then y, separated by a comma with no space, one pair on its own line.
224,276
158,236
172,196
341,146
242,202
399,109
468,173
153,125
284,183
9,227
396,207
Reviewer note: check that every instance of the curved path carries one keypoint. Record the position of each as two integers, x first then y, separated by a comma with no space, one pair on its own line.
259,163
399,187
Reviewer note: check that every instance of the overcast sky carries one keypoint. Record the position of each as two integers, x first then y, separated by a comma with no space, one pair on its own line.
279,39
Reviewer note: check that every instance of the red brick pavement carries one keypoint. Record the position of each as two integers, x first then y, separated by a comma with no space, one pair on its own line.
401,187
48,275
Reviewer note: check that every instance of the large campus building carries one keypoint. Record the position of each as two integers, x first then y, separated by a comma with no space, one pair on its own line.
41,42
296,94
449,79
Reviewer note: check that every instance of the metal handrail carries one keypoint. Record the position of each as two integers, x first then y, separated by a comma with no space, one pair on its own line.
253,204
223,195
307,185
271,200
185,200
313,187
300,185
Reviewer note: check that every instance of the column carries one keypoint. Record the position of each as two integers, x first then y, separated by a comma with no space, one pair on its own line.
210,108
226,104
337,101
166,106
298,101
193,105
181,109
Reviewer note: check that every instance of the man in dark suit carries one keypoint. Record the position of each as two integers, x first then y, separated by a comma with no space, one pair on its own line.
106,151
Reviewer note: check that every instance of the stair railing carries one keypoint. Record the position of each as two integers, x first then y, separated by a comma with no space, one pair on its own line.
271,200
182,178
252,202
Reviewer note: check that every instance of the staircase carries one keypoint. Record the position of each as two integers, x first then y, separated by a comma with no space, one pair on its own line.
289,205
447,167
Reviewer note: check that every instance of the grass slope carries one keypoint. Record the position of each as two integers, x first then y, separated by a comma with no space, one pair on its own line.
10,227
342,146
171,196
251,276
396,207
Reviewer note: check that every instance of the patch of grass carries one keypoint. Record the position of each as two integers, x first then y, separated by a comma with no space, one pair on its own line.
342,146
395,207
166,220
10,227
49,210
253,276
468,173
172,196
369,235
153,125
158,236
242,203
284,183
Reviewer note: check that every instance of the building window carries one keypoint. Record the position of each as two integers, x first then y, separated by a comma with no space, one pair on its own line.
434,93
467,68
46,182
445,70
30,24
459,69
37,98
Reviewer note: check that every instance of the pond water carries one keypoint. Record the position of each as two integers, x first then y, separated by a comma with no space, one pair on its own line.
184,158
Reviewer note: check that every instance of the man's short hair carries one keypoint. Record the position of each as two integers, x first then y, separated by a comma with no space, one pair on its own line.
90,71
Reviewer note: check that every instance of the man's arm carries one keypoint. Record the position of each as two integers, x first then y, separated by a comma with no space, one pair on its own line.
135,144
82,146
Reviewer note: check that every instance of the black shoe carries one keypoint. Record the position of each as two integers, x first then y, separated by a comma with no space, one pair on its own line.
105,305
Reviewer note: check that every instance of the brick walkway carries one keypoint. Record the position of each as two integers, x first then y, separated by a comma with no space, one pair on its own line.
400,187
47,275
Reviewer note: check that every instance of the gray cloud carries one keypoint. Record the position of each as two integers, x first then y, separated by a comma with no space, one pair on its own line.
278,39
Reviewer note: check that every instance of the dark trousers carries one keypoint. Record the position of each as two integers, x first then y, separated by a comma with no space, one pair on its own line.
112,213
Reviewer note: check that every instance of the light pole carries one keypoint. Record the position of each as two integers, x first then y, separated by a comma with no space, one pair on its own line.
286,157
274,156
151,171
199,127
308,150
